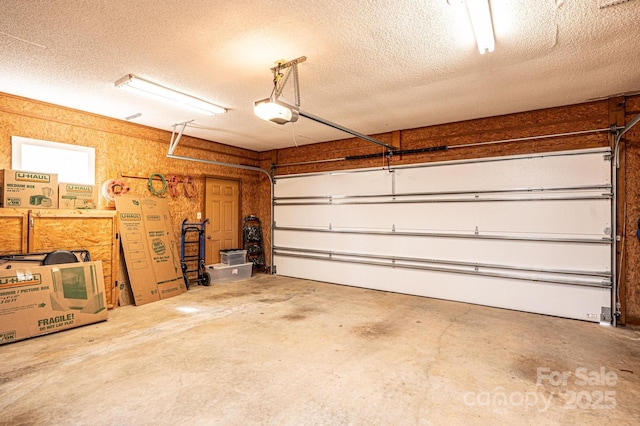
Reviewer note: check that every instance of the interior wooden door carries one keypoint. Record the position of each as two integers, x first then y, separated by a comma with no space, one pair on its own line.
222,202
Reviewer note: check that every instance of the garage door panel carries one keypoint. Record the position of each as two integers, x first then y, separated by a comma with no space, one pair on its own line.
525,254
538,223
589,169
566,217
377,217
325,185
583,303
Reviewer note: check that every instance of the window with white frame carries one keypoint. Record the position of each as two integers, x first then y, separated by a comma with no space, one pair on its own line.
72,163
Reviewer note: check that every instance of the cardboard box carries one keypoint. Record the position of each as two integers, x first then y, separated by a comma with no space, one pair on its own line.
142,278
164,247
36,300
77,196
125,295
28,189
150,249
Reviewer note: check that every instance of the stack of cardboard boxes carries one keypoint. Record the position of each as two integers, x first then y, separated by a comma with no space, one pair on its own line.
150,249
24,189
37,299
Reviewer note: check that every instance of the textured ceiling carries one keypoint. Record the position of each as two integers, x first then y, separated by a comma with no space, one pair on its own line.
373,65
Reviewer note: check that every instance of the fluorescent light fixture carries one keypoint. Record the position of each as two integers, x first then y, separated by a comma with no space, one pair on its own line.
273,110
480,17
141,85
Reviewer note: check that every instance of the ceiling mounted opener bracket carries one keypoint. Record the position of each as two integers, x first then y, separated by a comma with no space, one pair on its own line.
175,137
272,109
280,79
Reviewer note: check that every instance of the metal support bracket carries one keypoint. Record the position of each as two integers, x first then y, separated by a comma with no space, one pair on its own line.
175,138
279,82
283,65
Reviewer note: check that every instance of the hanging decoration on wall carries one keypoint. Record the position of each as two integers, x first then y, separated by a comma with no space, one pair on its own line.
172,181
190,190
168,184
153,190
112,188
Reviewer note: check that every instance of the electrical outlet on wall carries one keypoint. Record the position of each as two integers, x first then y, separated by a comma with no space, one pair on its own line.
199,215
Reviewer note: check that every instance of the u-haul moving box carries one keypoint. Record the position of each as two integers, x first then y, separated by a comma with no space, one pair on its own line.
149,246
77,196
165,257
36,300
28,189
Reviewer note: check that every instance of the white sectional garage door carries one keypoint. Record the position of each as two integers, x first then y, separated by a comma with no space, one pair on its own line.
530,233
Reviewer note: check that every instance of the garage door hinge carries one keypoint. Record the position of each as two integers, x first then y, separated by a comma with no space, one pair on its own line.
608,157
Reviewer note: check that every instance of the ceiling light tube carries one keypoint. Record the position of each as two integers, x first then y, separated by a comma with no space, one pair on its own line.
480,17
141,85
273,110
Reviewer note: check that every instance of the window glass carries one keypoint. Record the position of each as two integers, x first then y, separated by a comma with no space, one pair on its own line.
72,163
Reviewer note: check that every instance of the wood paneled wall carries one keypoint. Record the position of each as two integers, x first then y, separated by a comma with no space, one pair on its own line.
629,209
123,147
132,149
589,116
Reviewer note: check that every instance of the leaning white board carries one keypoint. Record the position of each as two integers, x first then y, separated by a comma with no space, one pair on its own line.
530,233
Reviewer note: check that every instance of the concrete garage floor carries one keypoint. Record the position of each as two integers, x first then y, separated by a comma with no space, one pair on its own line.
276,350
